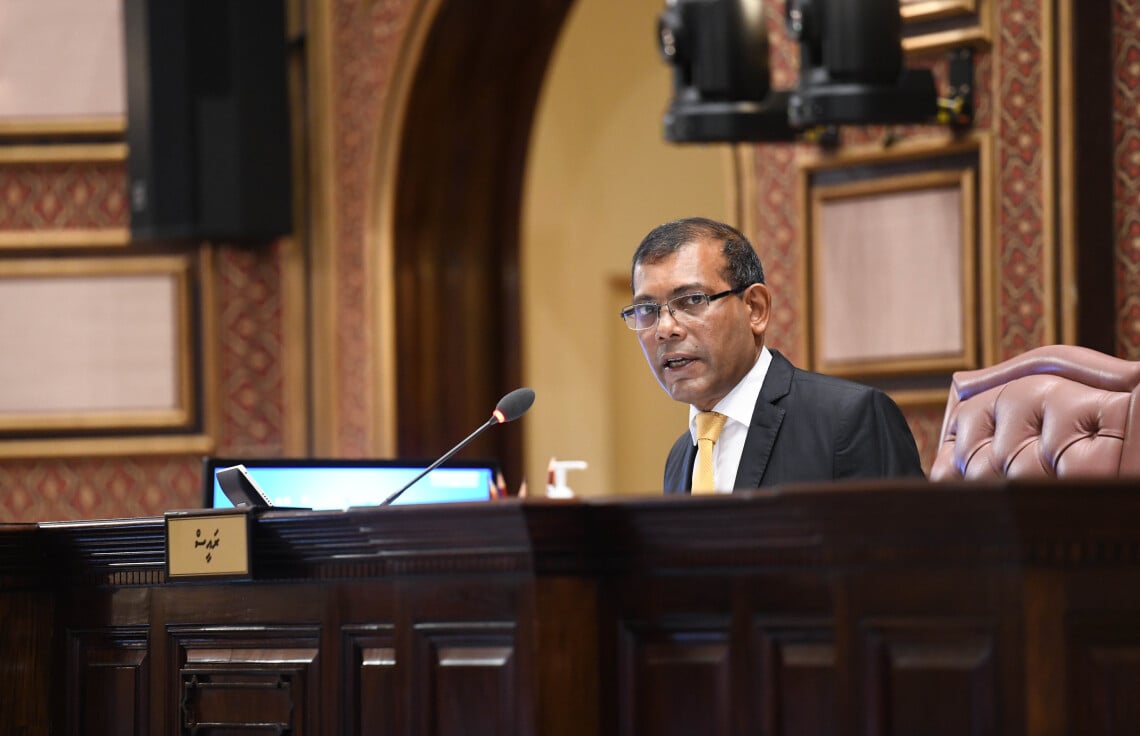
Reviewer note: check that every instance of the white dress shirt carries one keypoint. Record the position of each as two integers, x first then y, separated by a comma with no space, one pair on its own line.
738,406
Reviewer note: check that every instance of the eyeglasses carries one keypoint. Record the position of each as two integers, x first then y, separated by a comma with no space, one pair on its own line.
692,306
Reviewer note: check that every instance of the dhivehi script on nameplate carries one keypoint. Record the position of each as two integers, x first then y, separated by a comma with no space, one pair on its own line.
207,545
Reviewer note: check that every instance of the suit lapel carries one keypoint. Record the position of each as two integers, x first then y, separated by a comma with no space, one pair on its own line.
766,420
679,467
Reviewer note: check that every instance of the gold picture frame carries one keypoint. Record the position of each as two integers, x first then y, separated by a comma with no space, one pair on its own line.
930,26
111,126
924,10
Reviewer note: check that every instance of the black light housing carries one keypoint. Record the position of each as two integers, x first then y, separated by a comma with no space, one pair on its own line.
719,53
851,66
851,70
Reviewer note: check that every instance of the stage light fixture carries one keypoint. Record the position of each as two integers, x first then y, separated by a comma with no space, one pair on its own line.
851,70
719,54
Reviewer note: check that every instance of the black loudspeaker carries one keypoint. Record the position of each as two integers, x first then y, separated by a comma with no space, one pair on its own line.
207,119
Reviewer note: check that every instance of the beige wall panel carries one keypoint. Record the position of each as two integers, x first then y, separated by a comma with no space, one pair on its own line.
645,421
876,252
92,347
61,59
900,263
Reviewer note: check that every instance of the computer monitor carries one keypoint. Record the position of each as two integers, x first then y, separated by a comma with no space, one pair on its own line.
340,484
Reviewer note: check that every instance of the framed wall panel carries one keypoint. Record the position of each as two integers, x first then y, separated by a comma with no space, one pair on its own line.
76,88
898,279
96,344
936,25
882,243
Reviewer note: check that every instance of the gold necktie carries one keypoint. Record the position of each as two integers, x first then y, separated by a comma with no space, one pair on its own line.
709,425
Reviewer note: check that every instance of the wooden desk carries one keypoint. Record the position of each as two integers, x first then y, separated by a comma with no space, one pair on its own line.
896,608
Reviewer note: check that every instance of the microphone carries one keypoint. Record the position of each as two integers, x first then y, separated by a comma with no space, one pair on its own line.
510,407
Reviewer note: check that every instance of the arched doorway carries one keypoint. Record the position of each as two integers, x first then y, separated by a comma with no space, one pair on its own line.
454,221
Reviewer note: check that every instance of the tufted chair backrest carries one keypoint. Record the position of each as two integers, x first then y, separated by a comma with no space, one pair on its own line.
1056,411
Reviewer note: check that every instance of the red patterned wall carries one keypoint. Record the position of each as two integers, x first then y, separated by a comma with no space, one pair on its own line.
367,35
58,196
1020,151
252,346
1126,42
97,488
775,210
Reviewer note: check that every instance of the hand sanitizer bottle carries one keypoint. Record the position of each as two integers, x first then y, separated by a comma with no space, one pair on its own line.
556,477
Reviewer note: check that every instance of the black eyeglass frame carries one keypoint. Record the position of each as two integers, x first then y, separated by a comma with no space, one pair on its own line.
628,311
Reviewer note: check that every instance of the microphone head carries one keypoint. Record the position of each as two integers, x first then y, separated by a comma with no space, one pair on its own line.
513,405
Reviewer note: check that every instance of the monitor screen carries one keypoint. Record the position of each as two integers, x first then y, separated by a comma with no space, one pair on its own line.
340,484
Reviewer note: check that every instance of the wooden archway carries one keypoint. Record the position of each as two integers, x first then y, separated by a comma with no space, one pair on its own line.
455,222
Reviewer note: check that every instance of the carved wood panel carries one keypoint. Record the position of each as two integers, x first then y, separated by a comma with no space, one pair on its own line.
369,677
1105,651
246,680
675,679
797,679
27,620
930,676
465,679
108,673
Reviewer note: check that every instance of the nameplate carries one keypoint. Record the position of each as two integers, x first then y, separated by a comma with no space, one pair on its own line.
207,544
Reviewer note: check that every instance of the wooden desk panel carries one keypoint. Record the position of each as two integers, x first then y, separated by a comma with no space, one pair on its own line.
866,609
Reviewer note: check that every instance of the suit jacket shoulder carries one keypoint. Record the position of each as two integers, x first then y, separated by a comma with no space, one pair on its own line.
808,427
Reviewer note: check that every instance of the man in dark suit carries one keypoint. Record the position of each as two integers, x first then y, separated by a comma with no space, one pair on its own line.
701,309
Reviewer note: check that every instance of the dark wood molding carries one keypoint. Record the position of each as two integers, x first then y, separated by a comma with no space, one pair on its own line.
892,523
1085,111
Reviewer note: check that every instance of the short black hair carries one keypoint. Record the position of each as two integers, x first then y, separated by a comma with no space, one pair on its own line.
742,265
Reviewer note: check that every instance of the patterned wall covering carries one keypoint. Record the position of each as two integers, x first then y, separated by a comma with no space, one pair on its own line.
59,196
367,35
775,211
775,242
1126,42
926,424
1021,148
98,488
251,381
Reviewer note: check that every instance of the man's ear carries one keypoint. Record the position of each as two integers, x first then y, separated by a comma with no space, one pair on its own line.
759,302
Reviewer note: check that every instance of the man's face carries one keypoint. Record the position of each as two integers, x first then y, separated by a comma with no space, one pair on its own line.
698,361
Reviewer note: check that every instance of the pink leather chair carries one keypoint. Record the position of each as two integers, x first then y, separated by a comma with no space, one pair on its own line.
1056,411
